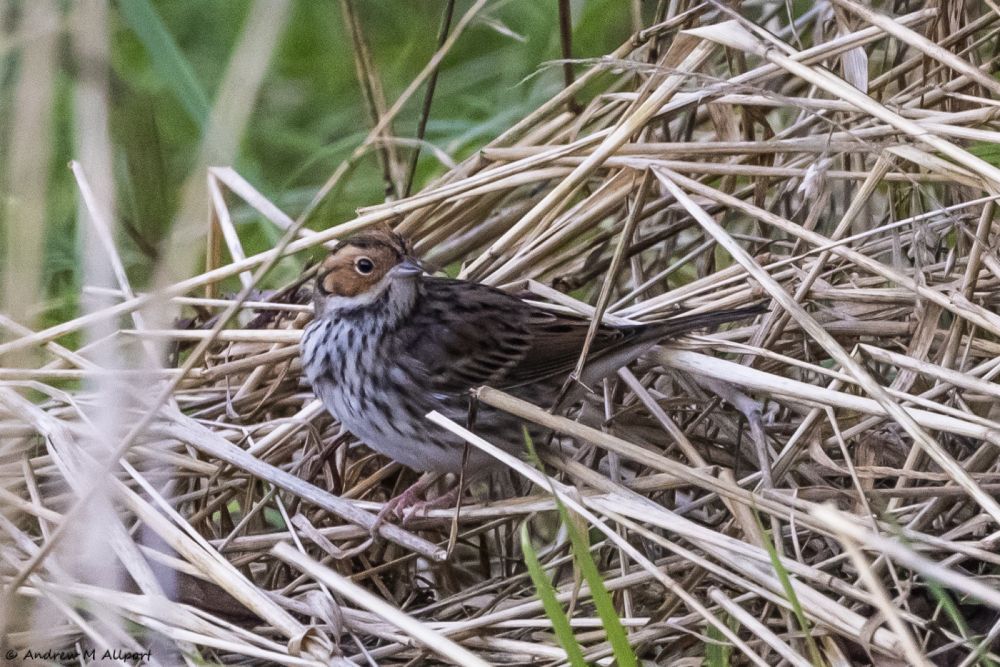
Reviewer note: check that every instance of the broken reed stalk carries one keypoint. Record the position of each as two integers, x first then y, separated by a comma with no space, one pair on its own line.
861,213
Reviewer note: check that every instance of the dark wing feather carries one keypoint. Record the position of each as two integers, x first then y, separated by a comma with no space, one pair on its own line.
557,341
461,335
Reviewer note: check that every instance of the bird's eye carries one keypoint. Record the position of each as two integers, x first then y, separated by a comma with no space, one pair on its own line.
364,266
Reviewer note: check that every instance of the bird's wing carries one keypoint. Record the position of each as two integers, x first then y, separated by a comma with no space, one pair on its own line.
557,340
463,335
556,343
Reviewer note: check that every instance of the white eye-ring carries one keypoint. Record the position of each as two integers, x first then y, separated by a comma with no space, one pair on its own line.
364,266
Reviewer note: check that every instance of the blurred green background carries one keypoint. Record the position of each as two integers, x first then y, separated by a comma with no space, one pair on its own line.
167,60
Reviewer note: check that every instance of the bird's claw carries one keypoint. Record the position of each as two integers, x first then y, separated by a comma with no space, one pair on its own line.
408,506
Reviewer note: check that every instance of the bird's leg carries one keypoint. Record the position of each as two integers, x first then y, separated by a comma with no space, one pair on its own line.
420,507
454,494
409,498
411,503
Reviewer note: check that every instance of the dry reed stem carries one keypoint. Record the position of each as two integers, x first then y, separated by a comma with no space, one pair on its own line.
692,178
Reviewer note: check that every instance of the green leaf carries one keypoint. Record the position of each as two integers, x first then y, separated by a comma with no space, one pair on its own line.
986,151
547,594
786,584
624,655
274,519
719,651
166,57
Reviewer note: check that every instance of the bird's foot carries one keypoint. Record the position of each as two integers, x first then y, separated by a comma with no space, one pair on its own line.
397,507
419,509
411,503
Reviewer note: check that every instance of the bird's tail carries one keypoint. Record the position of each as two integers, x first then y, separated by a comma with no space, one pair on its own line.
687,323
645,336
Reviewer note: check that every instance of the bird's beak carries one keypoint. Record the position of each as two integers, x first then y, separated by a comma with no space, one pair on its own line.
408,268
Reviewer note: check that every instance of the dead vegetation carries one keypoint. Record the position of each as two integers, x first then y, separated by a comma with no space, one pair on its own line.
818,486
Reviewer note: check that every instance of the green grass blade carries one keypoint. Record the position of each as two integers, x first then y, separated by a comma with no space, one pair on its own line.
624,655
951,610
166,57
786,584
547,594
718,652
987,151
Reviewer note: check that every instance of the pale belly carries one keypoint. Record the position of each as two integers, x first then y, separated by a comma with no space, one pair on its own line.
354,389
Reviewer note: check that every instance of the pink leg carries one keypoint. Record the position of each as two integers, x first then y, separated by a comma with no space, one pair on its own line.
411,497
420,507
410,503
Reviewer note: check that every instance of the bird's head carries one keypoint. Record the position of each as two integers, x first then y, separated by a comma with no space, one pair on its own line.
365,268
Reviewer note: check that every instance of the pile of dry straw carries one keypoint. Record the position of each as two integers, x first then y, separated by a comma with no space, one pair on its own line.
817,486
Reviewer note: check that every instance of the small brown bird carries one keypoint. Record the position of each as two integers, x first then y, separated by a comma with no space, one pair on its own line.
389,344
